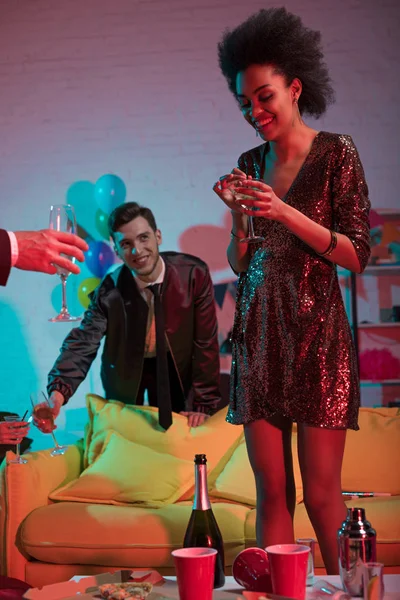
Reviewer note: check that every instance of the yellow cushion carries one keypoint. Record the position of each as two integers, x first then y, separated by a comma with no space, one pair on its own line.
371,456
128,473
236,482
216,438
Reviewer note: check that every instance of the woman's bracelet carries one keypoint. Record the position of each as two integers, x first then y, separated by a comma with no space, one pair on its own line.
332,244
233,236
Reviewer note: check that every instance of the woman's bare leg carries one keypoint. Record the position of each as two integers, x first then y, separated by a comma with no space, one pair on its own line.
270,454
320,457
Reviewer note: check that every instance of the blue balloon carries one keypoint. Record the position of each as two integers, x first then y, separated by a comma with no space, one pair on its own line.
109,192
99,258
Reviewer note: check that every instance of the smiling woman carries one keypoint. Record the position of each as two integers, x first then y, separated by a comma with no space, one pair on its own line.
293,358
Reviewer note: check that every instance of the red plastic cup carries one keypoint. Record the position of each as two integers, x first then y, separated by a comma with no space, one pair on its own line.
288,564
195,568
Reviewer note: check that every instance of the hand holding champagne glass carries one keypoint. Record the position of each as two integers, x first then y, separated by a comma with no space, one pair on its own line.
43,418
62,218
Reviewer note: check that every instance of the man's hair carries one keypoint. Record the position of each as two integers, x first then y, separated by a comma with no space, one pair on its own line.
278,38
125,213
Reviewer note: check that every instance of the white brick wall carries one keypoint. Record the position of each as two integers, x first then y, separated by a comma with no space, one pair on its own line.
133,87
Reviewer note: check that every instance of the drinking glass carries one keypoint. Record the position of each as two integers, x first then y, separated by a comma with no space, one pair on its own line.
62,218
310,542
18,460
43,413
373,586
251,237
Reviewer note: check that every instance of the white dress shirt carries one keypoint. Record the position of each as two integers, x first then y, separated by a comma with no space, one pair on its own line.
150,344
14,248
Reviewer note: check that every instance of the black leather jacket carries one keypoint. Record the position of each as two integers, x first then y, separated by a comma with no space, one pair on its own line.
118,312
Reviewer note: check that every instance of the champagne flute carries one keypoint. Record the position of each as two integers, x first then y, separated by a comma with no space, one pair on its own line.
18,460
43,413
62,218
251,237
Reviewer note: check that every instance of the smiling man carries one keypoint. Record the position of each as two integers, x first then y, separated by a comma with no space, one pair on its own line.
157,315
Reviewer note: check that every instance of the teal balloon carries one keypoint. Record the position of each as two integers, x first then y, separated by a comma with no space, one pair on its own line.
81,195
102,224
109,192
74,306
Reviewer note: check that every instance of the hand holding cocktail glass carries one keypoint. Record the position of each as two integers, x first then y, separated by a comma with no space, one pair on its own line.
224,188
244,199
229,189
12,431
44,414
260,198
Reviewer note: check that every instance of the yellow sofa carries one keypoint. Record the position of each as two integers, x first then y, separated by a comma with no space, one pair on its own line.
122,496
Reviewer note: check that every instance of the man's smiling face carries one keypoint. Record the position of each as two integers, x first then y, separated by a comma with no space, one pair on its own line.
136,243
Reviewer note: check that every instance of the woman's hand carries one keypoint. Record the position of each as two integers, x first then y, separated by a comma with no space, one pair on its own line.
13,432
224,188
261,200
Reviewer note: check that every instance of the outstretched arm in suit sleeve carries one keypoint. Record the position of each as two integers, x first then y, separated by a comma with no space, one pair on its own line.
5,256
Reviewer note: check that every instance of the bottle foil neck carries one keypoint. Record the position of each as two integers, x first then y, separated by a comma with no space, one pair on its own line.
201,499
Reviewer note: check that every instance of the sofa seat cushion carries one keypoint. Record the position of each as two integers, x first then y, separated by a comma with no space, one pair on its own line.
71,532
383,514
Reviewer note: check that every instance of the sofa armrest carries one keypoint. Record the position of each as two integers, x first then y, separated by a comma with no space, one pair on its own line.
23,488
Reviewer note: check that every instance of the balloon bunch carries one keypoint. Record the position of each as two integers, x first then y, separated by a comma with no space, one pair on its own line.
93,204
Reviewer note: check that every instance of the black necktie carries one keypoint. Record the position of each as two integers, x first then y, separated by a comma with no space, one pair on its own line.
163,389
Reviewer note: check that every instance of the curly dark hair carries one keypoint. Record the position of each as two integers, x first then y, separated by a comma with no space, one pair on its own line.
278,38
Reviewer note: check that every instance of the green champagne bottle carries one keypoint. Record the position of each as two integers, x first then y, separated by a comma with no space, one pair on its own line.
202,530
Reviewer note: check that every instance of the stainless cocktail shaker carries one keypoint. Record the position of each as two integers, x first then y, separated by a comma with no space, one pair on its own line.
356,545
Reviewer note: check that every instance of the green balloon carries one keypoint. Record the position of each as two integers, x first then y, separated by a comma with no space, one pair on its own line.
101,224
85,288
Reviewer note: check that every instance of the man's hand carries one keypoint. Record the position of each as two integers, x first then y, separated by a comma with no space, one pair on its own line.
41,250
194,418
45,414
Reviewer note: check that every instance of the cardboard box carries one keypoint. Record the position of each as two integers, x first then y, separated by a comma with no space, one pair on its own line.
86,587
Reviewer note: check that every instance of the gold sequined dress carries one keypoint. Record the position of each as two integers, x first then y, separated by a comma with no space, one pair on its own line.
293,352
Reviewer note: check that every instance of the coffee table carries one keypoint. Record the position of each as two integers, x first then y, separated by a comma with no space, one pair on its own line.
392,585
